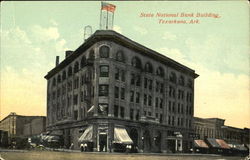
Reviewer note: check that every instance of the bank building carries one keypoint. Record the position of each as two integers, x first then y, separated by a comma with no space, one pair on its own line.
113,91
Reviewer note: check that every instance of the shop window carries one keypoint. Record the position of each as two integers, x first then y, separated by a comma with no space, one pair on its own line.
104,71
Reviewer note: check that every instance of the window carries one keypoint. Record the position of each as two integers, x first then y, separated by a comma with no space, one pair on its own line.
116,110
169,120
58,92
116,92
148,67
104,51
70,71
131,114
181,80
132,79
103,109
161,118
131,96
104,71
149,100
157,87
123,75
76,83
75,99
136,62
150,86
59,79
103,90
137,99
156,102
122,112
122,93
190,84
137,115
91,54
138,81
161,102
69,85
145,99
172,77
145,82
76,67
161,88
120,56
173,122
81,96
64,75
75,114
83,62
160,72
54,82
116,73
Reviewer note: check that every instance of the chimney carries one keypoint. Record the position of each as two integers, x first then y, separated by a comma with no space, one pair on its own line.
57,60
68,53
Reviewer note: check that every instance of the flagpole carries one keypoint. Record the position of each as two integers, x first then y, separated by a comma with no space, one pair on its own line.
107,21
101,17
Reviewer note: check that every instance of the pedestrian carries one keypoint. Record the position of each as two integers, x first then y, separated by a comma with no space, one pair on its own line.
71,146
82,147
85,147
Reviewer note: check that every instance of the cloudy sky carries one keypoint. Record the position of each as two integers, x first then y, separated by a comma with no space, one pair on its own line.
33,33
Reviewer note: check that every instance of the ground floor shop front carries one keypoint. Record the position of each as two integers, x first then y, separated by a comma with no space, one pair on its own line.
112,135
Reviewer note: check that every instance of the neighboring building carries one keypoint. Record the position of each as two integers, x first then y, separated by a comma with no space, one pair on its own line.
215,128
14,124
35,127
114,87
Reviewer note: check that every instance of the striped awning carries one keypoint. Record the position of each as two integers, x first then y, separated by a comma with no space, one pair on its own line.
222,144
200,143
87,135
121,136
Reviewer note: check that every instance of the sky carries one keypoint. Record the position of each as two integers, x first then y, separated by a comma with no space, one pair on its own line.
34,33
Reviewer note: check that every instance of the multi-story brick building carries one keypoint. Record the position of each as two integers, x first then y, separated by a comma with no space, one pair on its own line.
114,87
14,125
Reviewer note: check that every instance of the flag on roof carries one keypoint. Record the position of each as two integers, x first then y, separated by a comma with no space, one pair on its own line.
108,7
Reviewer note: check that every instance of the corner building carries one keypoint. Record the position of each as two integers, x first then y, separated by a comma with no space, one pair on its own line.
125,92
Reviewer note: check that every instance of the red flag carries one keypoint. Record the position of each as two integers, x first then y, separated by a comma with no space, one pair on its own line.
108,7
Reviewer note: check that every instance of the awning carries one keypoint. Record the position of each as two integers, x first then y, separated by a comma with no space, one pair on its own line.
213,143
200,143
49,138
121,136
87,135
91,109
56,132
237,146
222,144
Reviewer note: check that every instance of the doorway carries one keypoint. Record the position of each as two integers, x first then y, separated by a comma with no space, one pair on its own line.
103,142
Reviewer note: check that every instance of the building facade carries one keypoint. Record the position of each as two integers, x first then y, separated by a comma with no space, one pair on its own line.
15,124
215,128
113,83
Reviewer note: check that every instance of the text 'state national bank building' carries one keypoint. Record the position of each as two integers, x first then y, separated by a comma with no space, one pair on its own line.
114,90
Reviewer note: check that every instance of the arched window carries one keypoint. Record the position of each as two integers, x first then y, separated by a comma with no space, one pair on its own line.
91,54
70,71
76,67
148,67
136,62
160,72
120,56
181,80
54,82
172,77
59,78
64,75
104,51
83,61
190,84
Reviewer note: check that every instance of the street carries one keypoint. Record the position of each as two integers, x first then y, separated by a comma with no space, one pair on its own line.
52,155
